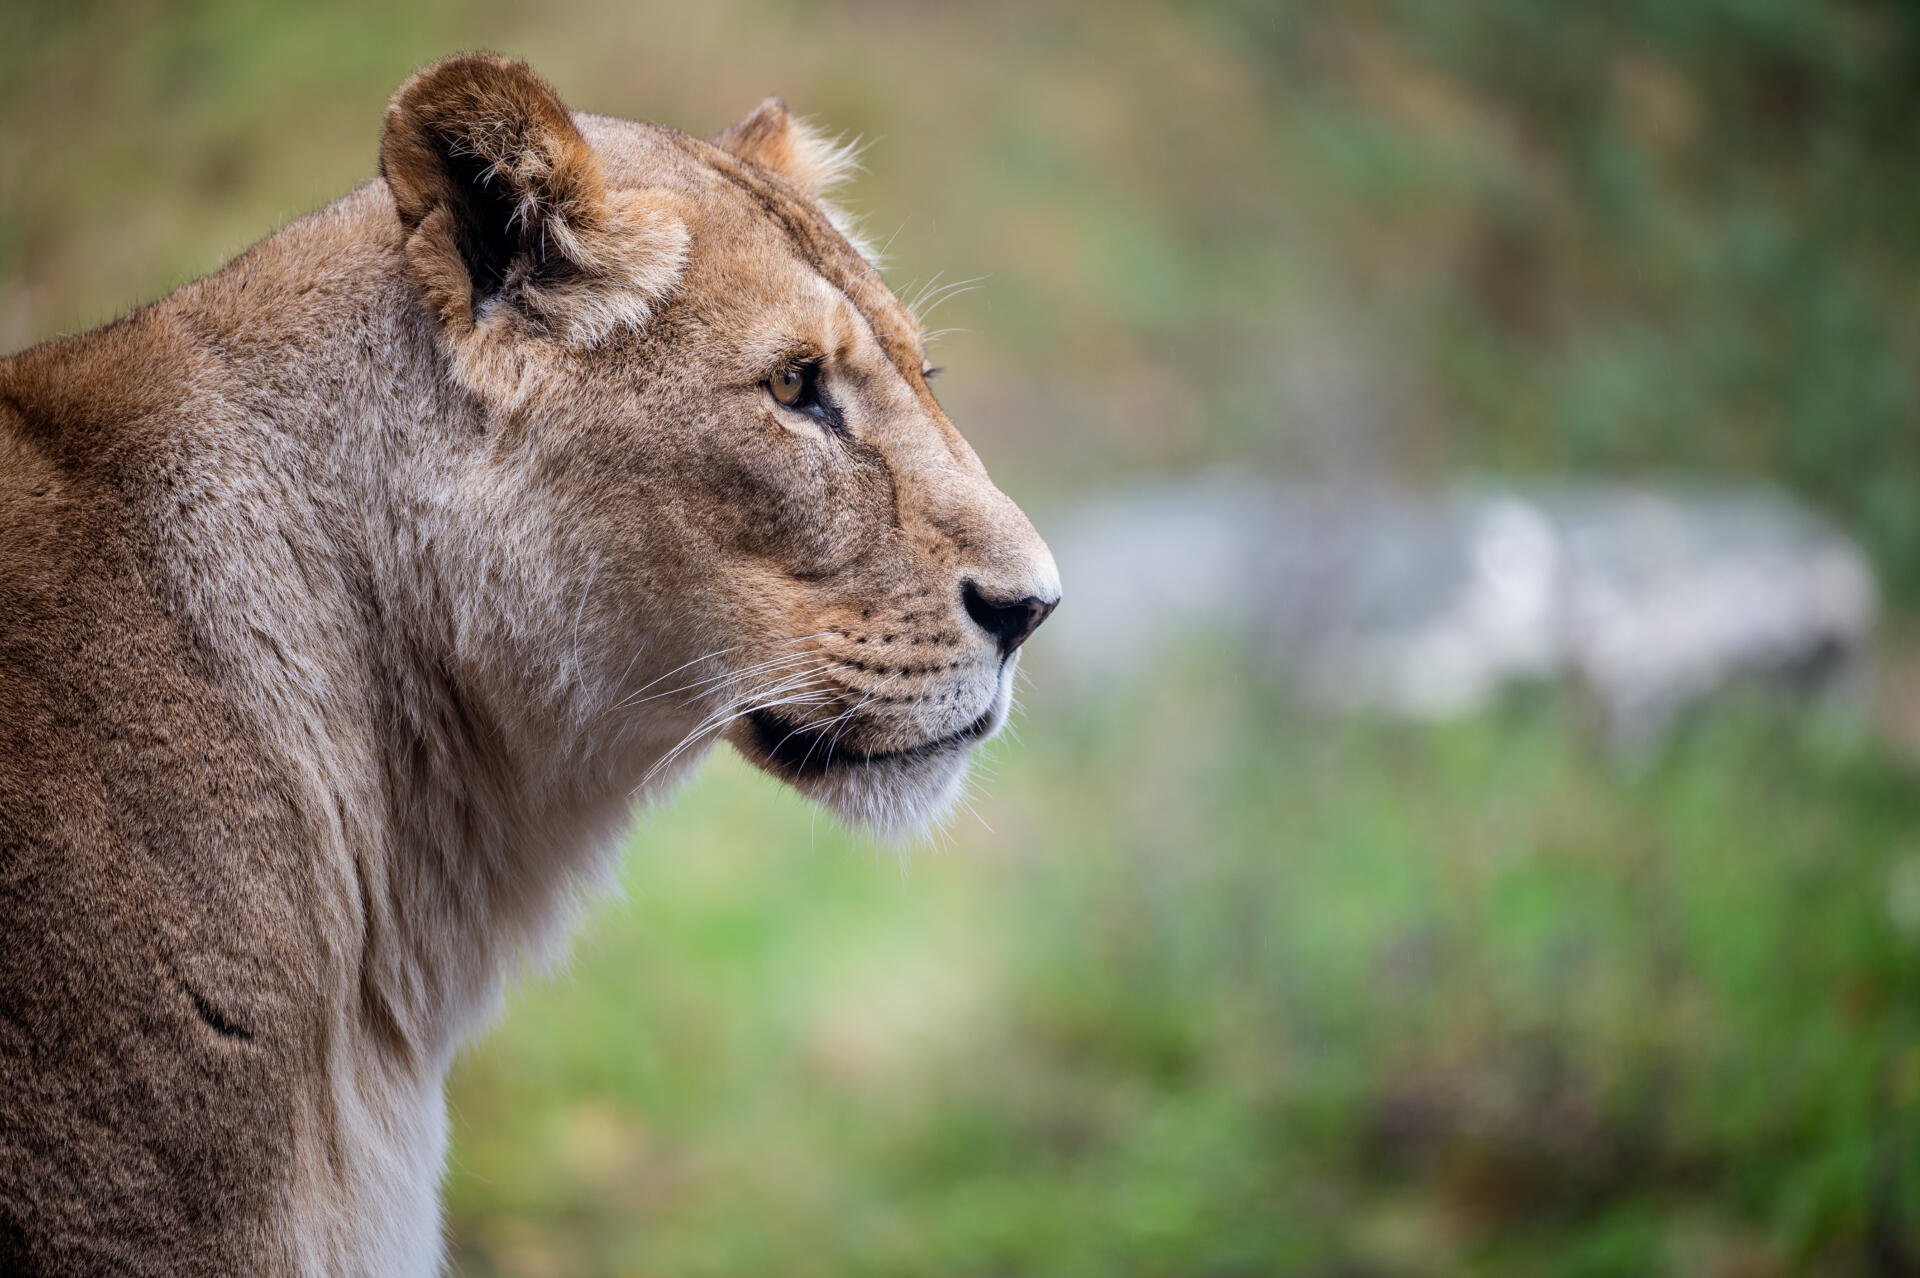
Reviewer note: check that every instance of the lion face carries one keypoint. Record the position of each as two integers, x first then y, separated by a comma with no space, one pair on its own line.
736,415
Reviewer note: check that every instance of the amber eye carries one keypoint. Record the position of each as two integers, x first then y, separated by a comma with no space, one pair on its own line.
789,386
797,387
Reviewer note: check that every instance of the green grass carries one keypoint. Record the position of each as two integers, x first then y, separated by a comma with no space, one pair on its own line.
1228,990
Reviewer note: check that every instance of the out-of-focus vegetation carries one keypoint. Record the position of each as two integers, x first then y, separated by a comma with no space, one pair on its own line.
1222,989
1211,997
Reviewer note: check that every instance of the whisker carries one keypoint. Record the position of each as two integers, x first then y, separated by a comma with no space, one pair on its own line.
845,720
965,800
712,727
920,295
721,652
762,667
635,698
793,691
579,615
933,299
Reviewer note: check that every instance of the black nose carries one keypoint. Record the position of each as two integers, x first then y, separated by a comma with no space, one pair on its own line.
1008,621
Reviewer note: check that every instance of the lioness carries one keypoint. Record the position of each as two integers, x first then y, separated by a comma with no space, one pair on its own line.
351,595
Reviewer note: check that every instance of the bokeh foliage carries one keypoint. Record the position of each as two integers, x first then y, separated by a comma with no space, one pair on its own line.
1222,989
1321,1000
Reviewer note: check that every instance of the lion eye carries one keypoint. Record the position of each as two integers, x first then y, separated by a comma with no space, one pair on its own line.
796,386
788,385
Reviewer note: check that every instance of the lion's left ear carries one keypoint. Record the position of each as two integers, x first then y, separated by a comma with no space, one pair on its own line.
792,148
509,228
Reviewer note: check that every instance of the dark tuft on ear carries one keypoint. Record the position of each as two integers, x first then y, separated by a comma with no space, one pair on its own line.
500,197
490,142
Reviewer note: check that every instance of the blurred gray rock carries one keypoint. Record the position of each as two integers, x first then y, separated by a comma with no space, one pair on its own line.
1430,606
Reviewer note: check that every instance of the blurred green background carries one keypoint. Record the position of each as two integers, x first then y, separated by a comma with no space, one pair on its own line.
1206,985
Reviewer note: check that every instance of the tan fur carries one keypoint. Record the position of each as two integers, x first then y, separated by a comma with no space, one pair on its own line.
350,596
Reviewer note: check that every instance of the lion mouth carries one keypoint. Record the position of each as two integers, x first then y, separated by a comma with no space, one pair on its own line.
804,751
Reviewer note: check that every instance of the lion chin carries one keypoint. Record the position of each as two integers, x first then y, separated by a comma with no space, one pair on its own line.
895,792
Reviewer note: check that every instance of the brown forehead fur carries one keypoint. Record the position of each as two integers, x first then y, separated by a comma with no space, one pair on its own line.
740,199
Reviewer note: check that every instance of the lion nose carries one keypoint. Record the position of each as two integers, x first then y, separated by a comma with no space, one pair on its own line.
1009,621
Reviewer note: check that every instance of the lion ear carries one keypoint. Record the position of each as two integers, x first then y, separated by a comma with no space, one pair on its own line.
506,217
792,148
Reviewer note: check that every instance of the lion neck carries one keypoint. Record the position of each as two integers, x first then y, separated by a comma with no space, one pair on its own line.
384,598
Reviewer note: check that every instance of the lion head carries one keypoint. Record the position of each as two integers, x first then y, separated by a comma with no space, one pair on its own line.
689,363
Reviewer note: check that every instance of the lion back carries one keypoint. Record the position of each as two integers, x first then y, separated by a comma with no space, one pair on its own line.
149,991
